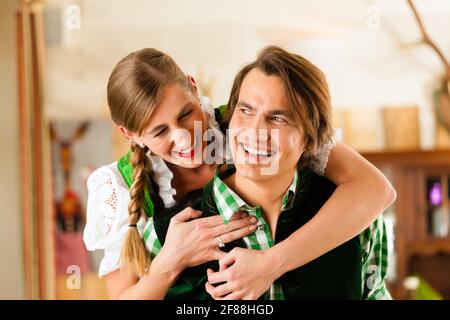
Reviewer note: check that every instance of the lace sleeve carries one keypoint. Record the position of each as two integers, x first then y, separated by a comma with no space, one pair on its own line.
320,160
107,216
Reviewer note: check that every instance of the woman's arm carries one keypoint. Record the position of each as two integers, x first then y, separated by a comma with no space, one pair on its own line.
362,194
190,241
123,284
164,268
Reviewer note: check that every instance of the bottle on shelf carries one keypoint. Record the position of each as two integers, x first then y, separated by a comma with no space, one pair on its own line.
439,214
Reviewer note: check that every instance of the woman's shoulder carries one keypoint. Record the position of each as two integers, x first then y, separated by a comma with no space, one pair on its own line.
107,215
319,160
108,174
107,190
108,196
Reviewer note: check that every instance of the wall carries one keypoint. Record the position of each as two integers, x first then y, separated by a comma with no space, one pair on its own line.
368,65
11,263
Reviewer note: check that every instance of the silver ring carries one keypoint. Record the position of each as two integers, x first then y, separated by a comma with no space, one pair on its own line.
220,241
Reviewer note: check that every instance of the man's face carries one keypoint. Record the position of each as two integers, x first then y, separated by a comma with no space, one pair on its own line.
265,140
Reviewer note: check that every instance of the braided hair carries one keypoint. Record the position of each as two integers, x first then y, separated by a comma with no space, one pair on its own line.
133,91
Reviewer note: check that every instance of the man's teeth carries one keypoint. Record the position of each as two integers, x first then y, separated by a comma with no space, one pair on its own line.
257,152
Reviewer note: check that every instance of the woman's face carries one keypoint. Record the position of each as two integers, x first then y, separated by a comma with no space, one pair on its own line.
265,140
176,127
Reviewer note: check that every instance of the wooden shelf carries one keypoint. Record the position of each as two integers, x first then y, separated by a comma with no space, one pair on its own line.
430,247
412,158
416,251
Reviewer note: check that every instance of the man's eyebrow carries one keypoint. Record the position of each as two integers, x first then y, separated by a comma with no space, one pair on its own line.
244,104
285,113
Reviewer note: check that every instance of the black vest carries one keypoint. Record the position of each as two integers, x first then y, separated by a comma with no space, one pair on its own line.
335,275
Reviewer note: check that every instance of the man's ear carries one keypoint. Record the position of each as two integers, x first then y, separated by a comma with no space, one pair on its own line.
192,82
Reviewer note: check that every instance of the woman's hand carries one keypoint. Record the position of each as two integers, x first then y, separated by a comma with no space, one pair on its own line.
191,240
247,274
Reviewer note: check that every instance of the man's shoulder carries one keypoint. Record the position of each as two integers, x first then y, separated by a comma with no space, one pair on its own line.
308,179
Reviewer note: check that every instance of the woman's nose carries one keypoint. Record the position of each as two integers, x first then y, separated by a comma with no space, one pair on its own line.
181,138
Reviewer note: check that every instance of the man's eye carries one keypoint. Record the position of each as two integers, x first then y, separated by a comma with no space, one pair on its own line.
244,110
277,119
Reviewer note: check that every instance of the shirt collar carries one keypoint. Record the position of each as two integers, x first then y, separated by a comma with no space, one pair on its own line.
228,202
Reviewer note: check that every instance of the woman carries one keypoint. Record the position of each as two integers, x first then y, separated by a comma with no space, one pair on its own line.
151,99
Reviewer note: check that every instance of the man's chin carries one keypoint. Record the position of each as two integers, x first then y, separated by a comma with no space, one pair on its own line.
254,167
255,172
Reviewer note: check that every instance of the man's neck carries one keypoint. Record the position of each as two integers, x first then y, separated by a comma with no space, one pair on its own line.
267,194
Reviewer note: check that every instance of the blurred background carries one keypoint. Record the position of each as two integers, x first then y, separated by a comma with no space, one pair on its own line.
386,62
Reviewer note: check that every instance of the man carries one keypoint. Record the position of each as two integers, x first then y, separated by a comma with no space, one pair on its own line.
285,94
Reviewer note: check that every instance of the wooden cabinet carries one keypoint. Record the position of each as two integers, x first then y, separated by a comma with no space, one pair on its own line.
421,232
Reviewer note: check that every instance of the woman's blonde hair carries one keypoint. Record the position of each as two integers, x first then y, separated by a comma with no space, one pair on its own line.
134,89
307,91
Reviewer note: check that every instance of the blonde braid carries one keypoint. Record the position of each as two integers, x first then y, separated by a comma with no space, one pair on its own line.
134,253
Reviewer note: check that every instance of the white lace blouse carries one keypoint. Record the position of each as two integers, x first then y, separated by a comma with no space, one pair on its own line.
108,198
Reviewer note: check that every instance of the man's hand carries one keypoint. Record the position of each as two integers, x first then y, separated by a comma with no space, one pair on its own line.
247,274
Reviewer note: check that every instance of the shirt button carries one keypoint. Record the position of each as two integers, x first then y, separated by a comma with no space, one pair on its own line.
261,227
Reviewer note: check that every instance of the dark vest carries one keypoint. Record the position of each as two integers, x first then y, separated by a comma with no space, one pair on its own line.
335,275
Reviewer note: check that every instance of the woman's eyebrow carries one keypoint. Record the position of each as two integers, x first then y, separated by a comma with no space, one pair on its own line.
157,128
163,126
183,110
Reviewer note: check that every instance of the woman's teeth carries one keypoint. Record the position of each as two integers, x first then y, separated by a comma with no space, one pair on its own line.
185,153
256,152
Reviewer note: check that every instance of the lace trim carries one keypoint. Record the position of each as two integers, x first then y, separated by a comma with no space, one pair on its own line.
102,208
320,161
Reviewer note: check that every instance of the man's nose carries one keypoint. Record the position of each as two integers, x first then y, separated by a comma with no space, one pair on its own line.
257,130
258,122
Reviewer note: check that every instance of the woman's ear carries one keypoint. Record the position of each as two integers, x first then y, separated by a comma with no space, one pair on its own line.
192,82
131,136
127,134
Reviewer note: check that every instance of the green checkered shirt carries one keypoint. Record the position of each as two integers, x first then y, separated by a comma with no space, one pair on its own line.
228,202
373,240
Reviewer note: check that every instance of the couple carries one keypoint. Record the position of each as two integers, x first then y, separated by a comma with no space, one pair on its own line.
164,216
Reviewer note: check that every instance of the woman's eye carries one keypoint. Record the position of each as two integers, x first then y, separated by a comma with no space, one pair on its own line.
159,133
184,115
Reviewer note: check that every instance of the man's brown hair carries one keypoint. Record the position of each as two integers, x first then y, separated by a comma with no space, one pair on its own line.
306,90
